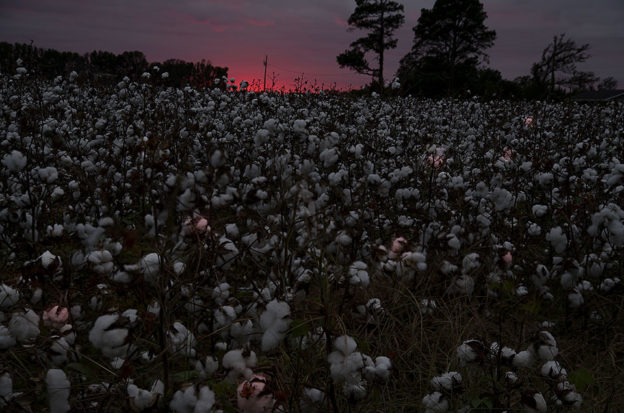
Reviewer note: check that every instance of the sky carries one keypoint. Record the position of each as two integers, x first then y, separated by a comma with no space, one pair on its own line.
301,37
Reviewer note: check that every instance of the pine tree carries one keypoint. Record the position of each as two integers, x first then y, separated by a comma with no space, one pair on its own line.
449,43
380,18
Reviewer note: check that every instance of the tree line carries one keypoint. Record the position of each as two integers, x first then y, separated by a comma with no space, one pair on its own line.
448,56
105,66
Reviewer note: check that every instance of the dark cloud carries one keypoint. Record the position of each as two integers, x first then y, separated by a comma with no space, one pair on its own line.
300,36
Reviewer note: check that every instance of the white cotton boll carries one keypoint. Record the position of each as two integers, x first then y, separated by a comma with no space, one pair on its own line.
111,341
47,259
240,362
435,403
6,339
58,391
274,323
207,367
141,399
24,326
464,284
344,239
58,351
608,283
55,230
150,267
6,389
470,262
241,332
48,174
379,368
523,359
447,381
329,157
358,274
184,401
575,299
470,351
521,291
502,199
511,378
558,239
453,242
8,296
539,210
534,402
232,231
101,261
181,339
117,362
553,370
534,230
228,252
568,395
14,161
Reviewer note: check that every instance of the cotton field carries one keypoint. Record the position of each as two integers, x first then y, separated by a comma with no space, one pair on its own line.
205,250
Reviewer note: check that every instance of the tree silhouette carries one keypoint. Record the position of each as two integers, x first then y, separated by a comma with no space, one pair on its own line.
557,69
449,43
380,18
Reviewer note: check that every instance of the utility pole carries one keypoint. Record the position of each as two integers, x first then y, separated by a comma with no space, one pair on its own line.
266,60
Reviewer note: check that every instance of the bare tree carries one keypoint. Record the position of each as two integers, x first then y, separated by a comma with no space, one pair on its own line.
558,65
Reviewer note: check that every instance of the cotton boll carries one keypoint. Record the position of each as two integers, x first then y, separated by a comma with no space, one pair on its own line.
48,174
539,210
575,299
470,262
150,267
358,275
566,393
110,340
274,323
207,367
181,339
435,403
546,346
345,363
190,401
533,402
6,389
48,259
523,359
558,239
58,391
464,284
227,253
553,370
15,161
101,261
447,382
8,296
24,326
240,363
6,339
141,399
380,368
470,351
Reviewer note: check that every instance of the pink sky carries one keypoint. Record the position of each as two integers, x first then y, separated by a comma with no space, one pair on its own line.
301,38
